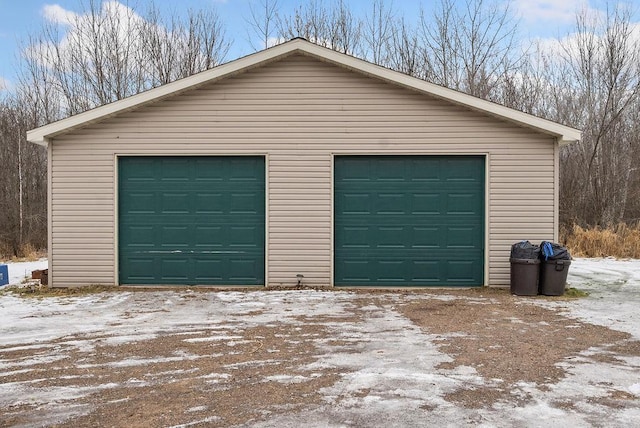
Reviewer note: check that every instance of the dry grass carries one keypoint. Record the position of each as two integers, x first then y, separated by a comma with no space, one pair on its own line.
622,241
33,289
26,253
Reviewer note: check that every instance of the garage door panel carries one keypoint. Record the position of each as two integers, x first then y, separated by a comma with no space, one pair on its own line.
463,203
175,203
244,269
388,203
209,203
463,169
208,271
197,217
366,271
356,271
175,237
207,236
208,170
139,202
389,169
425,170
244,203
463,272
413,225
463,237
426,237
244,236
141,236
426,271
144,171
355,203
175,268
391,272
425,203
353,170
355,237
393,236
140,268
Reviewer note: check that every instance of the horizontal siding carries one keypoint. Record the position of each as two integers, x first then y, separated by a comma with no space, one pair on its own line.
298,112
521,204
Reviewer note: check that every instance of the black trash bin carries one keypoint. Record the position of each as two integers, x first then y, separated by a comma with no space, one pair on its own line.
524,276
525,268
554,268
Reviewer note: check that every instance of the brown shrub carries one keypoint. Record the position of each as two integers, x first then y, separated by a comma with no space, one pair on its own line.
621,241
26,252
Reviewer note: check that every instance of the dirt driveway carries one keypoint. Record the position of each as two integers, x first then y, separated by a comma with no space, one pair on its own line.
311,358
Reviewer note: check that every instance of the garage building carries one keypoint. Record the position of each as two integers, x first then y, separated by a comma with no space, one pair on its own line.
298,160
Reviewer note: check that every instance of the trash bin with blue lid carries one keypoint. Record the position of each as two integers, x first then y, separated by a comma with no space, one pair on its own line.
554,268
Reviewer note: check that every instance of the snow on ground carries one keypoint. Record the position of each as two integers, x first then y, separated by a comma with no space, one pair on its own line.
396,361
614,288
18,271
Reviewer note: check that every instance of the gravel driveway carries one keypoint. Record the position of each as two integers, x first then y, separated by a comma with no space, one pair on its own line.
326,358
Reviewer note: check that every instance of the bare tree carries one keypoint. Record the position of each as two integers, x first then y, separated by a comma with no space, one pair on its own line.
405,53
23,188
526,87
205,43
109,52
309,22
344,29
378,32
176,49
263,22
159,46
470,47
438,41
599,80
334,27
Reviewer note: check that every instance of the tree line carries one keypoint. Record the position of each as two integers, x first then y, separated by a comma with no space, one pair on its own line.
589,79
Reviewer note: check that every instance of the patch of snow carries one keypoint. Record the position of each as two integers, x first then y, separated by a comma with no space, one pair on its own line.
212,338
286,379
198,422
39,359
133,362
390,368
15,372
173,372
18,271
253,363
21,393
196,409
233,343
614,293
119,400
128,338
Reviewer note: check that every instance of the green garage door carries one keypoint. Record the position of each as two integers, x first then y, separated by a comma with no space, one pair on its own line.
191,220
409,220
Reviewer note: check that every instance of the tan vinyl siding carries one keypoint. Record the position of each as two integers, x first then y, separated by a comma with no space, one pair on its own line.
298,112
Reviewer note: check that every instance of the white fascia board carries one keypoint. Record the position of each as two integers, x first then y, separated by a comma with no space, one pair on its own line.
563,134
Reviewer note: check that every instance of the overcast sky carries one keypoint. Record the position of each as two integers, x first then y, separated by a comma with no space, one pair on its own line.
19,18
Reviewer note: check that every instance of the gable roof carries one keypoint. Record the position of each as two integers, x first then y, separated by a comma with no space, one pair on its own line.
563,134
